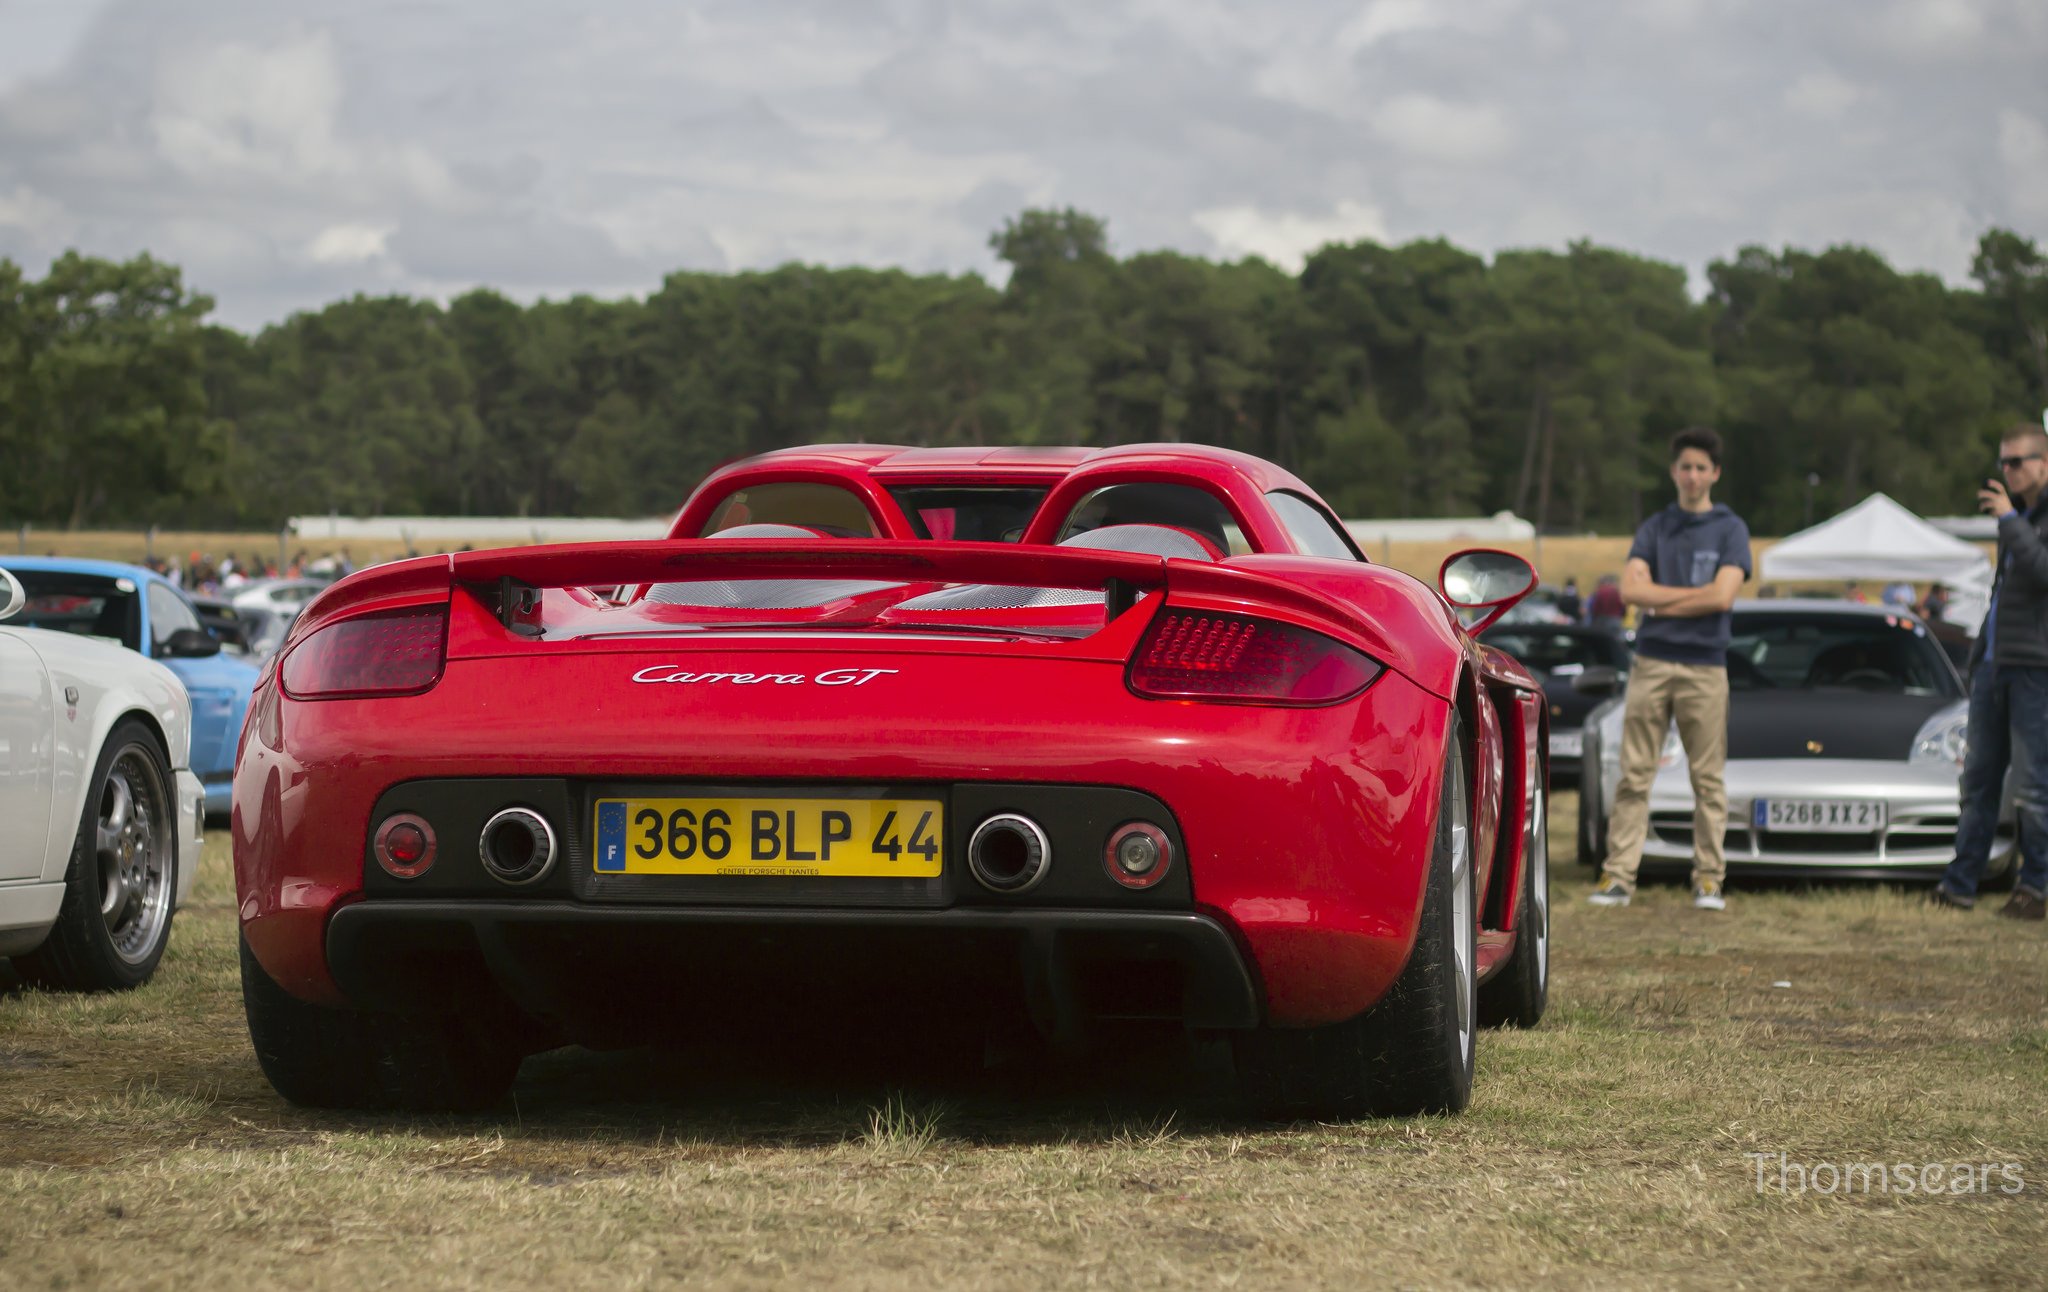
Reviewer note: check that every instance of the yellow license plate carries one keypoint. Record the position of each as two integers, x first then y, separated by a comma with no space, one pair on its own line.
893,838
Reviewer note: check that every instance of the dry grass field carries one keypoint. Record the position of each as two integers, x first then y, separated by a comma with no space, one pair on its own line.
140,1146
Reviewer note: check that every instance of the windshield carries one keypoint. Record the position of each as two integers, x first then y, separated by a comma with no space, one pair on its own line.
90,605
1820,652
969,514
1553,652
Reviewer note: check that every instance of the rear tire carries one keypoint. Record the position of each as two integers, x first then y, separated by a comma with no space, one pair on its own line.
1518,993
342,1058
122,883
1413,1051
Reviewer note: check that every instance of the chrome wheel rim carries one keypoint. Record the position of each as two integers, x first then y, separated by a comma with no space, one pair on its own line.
1463,937
134,835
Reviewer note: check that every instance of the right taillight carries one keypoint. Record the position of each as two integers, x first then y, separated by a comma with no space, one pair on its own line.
1206,655
389,652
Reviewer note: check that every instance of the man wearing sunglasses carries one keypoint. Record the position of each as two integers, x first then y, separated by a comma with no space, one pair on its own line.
2009,686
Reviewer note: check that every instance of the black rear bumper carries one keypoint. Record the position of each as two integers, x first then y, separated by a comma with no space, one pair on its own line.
637,972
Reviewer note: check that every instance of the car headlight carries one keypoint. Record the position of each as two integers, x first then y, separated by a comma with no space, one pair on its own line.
1943,739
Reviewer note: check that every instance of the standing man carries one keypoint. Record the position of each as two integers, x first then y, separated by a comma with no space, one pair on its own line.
1688,562
2009,686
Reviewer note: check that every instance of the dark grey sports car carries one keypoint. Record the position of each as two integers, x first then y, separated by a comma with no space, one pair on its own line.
1579,666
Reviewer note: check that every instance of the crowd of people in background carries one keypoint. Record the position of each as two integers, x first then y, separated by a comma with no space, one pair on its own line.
200,573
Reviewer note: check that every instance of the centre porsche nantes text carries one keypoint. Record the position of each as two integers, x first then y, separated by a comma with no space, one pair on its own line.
830,677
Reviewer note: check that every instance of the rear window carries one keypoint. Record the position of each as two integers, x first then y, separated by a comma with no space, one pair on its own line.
820,506
1314,534
89,605
969,514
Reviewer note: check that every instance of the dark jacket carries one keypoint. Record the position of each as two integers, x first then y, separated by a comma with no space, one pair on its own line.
2019,597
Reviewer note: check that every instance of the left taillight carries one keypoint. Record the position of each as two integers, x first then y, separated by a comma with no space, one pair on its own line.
386,652
1207,655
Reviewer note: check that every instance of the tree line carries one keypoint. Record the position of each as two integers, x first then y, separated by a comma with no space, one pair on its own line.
1413,380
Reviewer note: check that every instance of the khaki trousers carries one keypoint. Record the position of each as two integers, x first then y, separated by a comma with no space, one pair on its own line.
1696,695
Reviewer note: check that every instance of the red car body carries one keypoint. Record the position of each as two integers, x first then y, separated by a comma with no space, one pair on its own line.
1296,831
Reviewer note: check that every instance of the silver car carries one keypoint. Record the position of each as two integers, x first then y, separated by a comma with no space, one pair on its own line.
1846,730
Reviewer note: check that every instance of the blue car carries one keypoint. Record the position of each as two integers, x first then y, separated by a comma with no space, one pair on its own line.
146,612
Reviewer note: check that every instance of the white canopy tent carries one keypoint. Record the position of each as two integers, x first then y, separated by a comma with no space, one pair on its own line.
1879,540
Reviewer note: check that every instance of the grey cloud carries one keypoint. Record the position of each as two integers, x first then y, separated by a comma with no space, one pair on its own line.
289,154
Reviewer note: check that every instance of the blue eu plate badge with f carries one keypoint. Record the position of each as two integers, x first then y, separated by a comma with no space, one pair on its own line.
611,837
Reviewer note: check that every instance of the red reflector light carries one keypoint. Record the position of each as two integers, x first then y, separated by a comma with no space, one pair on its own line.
1138,854
405,846
387,653
405,843
1203,655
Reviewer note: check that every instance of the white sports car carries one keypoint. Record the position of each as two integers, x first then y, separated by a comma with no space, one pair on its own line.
1846,728
100,814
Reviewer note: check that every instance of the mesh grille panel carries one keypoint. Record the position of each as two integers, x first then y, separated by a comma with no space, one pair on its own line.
761,594
1147,540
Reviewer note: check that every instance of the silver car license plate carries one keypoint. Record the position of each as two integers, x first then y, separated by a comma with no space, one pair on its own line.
1819,816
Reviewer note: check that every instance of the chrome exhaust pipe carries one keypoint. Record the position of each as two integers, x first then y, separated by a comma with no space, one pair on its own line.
518,846
1009,854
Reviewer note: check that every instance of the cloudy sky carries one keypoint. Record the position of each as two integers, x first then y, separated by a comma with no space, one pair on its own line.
288,152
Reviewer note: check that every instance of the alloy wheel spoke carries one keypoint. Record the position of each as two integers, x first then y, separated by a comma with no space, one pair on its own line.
113,891
118,804
1463,934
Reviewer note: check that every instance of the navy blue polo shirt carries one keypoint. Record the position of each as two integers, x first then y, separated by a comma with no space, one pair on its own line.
1685,549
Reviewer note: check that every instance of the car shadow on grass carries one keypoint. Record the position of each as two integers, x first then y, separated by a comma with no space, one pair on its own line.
800,1090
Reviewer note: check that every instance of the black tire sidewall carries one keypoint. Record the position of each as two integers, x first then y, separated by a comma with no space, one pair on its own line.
79,953
1432,966
321,1057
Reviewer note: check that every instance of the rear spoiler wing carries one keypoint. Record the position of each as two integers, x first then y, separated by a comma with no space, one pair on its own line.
585,565
507,582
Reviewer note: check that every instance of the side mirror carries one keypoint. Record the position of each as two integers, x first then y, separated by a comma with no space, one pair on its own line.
1485,580
191,643
12,596
1598,679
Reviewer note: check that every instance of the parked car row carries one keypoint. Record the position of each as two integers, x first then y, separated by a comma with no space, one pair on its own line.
1846,730
1092,734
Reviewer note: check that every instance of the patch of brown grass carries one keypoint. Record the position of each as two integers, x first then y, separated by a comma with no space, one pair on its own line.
140,1146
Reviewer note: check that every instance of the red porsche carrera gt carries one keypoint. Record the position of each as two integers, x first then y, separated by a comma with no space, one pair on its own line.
1174,751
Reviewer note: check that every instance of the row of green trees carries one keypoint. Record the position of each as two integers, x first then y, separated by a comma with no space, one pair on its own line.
1412,380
